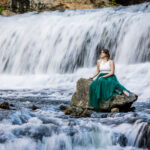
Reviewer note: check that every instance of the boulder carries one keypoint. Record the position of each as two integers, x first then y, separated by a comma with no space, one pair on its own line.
80,99
115,110
4,105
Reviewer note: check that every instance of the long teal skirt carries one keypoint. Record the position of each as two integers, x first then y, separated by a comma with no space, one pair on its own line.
104,89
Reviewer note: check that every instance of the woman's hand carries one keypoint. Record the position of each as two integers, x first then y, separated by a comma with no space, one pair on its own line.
96,73
90,78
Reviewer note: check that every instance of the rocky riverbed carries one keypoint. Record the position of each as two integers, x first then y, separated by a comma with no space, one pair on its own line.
40,122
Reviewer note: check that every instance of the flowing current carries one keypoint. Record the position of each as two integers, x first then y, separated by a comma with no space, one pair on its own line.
42,55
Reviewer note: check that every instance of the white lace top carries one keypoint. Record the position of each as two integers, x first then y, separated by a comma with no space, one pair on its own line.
104,67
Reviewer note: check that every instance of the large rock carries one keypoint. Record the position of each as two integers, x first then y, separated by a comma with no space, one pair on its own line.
80,99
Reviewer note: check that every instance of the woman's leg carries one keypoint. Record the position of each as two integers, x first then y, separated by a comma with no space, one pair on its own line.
121,88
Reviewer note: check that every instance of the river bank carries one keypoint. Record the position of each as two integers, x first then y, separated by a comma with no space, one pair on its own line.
16,7
12,7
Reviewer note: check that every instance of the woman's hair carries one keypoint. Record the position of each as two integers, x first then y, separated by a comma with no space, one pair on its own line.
106,51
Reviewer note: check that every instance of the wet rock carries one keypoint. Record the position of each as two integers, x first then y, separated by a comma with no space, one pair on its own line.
122,140
86,113
38,133
4,105
104,115
77,111
34,107
69,123
115,110
62,107
12,105
132,109
80,99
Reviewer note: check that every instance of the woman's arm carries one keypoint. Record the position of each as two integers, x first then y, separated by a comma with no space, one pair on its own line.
96,73
112,66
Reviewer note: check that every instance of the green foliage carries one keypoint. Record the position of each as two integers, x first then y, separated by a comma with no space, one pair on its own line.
30,9
113,3
1,9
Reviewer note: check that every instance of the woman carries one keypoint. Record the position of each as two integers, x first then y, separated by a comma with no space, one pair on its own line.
106,85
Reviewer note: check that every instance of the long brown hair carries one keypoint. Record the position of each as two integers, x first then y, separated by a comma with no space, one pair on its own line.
106,51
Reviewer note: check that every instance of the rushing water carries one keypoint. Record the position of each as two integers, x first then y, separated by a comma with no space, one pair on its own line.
42,55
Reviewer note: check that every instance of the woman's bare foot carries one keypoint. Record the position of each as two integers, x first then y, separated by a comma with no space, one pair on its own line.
126,93
91,79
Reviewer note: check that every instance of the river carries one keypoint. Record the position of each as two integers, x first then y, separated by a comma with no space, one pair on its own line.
42,55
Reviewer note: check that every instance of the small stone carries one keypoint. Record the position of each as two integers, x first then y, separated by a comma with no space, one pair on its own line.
62,107
115,110
86,113
4,105
69,123
12,105
79,110
132,109
34,107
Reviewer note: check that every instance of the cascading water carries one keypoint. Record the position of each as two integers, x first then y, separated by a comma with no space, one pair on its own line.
42,55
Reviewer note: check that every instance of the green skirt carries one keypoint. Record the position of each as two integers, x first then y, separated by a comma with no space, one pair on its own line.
104,89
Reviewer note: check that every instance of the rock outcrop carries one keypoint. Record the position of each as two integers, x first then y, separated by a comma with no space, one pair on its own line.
20,6
79,102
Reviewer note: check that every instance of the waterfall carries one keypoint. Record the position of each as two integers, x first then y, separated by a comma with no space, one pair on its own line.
61,42
53,49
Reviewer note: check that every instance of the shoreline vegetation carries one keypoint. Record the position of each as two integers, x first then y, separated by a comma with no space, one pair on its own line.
12,7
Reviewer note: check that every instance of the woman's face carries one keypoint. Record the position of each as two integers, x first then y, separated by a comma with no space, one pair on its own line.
102,54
